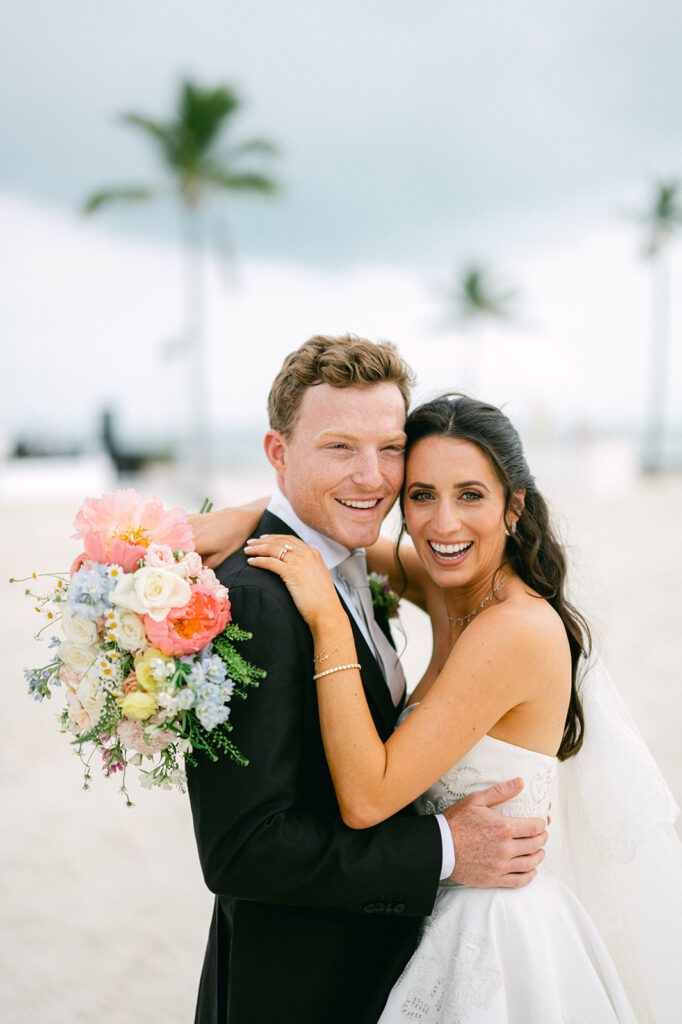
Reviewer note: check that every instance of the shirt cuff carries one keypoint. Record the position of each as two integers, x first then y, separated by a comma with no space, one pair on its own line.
448,847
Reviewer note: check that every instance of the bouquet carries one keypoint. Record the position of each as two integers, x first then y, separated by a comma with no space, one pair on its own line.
146,658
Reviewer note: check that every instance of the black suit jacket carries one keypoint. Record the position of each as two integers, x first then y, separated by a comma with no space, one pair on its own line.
313,921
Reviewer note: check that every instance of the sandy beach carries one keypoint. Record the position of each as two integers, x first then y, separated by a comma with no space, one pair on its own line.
105,913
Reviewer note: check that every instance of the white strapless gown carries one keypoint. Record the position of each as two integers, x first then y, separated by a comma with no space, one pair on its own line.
507,956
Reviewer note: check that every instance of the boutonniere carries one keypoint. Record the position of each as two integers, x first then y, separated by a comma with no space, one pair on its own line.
382,595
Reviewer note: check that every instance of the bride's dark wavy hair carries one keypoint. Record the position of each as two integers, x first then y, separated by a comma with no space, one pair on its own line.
533,551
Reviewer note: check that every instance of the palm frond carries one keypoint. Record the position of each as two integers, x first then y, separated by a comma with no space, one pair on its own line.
159,131
131,194
249,181
476,296
664,216
252,146
202,113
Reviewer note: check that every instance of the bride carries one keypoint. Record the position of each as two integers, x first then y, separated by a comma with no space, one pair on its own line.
502,697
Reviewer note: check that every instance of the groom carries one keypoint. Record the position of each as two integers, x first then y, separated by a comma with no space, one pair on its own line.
313,921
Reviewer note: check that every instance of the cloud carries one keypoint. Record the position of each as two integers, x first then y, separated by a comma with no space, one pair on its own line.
87,316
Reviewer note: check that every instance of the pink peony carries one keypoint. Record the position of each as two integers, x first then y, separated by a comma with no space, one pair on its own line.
188,629
117,529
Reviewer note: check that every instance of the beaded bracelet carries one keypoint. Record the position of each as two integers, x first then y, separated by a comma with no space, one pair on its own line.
339,668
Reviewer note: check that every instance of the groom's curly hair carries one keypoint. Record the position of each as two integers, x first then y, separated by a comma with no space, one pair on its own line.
340,362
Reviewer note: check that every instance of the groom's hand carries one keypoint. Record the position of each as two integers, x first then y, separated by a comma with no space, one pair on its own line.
491,849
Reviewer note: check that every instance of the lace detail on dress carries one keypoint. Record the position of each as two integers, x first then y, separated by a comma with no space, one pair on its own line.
467,978
487,763
534,795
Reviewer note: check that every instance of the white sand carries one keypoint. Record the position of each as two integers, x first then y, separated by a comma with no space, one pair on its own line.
104,911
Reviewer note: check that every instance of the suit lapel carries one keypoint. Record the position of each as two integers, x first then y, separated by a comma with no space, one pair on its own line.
374,684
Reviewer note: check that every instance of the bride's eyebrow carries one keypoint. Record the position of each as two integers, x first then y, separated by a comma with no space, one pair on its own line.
456,487
473,483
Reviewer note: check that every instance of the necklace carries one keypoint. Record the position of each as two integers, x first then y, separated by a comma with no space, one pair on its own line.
464,620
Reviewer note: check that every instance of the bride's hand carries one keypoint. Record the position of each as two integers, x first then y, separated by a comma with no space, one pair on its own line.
302,570
219,534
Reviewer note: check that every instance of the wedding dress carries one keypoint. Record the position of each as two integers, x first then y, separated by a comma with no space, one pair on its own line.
596,938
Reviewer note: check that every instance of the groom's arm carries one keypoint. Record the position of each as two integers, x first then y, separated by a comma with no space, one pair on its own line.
257,839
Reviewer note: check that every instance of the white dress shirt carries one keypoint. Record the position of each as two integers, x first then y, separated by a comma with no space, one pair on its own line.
333,554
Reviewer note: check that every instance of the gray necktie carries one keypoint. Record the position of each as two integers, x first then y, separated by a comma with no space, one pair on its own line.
353,570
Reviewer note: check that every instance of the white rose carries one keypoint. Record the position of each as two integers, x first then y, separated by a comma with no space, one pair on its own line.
79,657
90,697
130,634
78,630
151,592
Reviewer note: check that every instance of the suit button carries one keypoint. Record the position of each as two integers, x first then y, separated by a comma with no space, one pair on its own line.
398,908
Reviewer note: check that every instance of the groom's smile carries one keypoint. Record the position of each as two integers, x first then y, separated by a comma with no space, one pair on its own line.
342,465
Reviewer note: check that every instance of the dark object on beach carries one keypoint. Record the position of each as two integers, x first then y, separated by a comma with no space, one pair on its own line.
128,461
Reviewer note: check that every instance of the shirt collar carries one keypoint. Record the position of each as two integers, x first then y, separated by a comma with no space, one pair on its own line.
332,552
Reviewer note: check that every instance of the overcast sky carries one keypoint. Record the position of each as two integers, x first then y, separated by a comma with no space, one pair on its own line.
413,136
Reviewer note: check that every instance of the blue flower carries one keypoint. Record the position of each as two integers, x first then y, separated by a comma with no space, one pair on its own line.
211,715
197,676
225,689
89,590
185,698
54,642
215,669
207,693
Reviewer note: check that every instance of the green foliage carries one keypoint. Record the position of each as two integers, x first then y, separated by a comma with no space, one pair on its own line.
476,296
188,144
382,595
241,671
664,216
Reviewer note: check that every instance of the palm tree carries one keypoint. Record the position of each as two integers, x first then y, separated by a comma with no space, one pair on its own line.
198,169
477,297
663,220
475,300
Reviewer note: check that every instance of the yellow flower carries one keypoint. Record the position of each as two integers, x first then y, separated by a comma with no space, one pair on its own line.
139,705
144,668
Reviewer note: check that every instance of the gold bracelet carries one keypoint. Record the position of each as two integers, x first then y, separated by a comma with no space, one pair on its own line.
339,668
324,655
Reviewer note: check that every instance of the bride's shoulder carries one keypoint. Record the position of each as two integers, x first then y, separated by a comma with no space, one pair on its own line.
523,620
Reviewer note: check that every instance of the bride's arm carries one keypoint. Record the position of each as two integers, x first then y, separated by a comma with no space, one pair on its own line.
219,534
485,676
